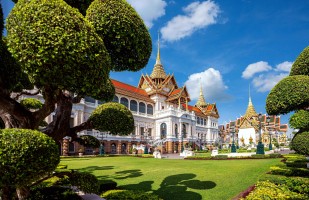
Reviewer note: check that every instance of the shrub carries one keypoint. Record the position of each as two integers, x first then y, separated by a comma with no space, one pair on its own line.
88,141
26,156
129,194
85,182
268,190
31,103
108,185
286,171
275,155
296,163
54,192
221,157
300,143
258,156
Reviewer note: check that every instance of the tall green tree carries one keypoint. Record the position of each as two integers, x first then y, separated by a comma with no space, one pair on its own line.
292,94
65,55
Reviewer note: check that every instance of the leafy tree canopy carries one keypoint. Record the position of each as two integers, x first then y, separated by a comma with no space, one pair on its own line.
301,64
300,120
88,141
300,143
123,31
290,94
25,156
114,118
31,103
68,55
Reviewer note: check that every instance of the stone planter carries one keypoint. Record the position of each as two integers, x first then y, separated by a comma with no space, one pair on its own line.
80,154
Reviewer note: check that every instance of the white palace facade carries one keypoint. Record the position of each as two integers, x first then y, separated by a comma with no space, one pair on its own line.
162,115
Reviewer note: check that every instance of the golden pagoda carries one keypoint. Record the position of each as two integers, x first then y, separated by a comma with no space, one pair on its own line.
201,100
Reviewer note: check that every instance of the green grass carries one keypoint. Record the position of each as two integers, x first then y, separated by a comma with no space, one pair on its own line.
177,179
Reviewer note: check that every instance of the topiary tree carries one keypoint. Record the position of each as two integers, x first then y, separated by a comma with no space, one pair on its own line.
112,117
67,56
291,94
25,156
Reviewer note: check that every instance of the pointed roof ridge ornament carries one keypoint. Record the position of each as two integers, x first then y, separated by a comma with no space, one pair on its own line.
158,70
250,112
201,100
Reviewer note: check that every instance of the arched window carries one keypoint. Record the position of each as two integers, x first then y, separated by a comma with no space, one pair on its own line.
123,148
163,130
116,99
142,107
198,120
149,109
133,105
113,148
176,131
124,101
184,131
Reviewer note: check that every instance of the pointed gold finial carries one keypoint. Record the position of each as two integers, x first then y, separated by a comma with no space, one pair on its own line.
250,112
158,70
201,100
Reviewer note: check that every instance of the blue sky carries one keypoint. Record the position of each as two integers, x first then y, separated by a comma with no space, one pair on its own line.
228,45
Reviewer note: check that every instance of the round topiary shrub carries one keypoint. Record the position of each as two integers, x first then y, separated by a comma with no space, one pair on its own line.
85,182
123,31
300,143
26,156
113,117
31,103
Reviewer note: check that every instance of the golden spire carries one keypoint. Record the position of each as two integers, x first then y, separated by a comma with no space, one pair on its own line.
158,70
201,101
250,112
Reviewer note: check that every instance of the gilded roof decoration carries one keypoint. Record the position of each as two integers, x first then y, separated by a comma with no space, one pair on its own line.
201,100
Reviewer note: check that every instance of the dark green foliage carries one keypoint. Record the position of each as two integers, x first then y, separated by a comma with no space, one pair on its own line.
300,120
275,155
26,156
290,171
112,117
108,185
123,31
81,5
66,52
54,192
301,64
11,76
300,143
290,94
31,103
88,141
129,194
85,182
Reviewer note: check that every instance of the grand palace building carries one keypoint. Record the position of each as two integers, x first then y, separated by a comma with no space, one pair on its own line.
162,115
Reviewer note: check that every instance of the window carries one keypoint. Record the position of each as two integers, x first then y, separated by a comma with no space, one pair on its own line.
113,148
184,132
142,130
89,99
71,147
123,148
163,130
198,120
149,109
142,107
116,99
133,105
124,101
149,131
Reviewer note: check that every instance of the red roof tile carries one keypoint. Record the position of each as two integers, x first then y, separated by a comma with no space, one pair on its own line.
130,88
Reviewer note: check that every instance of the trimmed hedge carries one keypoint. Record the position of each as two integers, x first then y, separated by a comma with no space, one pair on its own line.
26,156
85,182
286,171
129,194
300,143
269,190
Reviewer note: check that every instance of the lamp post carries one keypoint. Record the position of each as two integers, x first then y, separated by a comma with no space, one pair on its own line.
233,148
260,146
146,144
270,133
101,146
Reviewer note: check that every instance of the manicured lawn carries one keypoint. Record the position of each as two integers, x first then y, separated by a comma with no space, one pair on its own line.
177,179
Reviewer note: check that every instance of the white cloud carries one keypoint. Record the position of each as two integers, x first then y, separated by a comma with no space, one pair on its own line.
197,15
284,66
149,10
265,83
212,84
254,68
